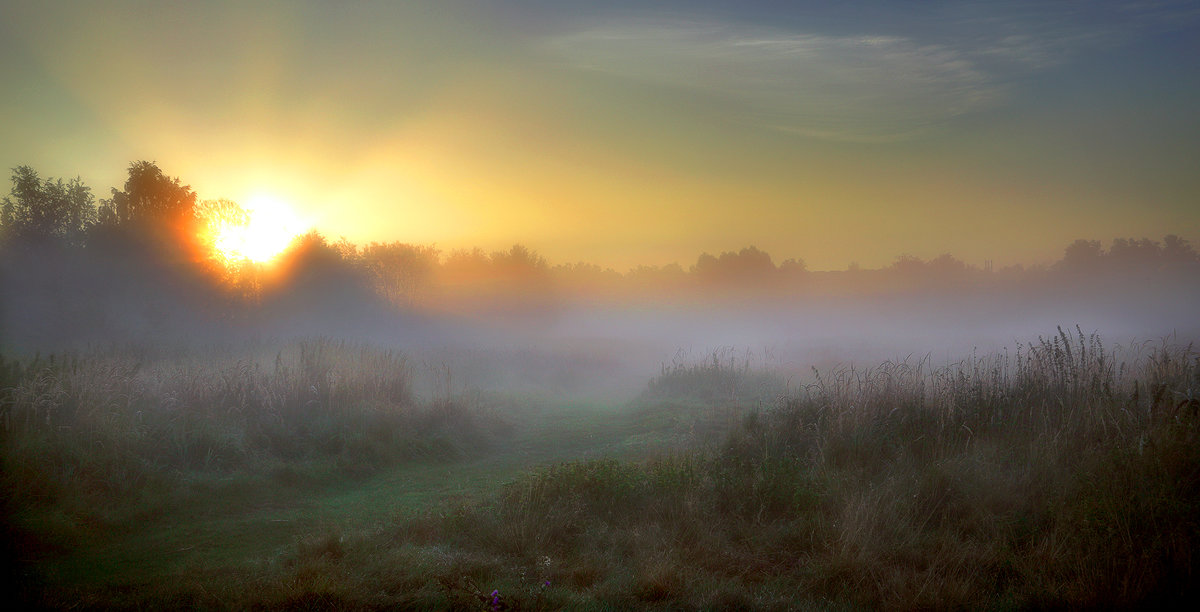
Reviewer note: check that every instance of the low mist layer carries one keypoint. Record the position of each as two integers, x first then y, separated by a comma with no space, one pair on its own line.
388,426
144,266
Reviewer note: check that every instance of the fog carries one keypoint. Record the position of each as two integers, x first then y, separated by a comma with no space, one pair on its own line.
142,269
175,423
546,329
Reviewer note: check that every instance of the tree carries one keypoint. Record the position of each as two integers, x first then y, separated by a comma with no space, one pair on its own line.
1134,254
222,213
49,209
214,219
793,266
1177,252
312,281
946,266
464,267
1082,256
519,262
908,265
150,197
403,273
151,203
748,265
657,280
154,210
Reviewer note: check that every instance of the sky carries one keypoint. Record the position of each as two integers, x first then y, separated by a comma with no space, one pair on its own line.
624,133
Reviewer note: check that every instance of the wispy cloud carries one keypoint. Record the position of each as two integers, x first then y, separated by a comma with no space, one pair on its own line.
920,68
1034,35
857,88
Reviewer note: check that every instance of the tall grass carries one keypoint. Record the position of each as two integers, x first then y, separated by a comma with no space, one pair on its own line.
87,435
1047,477
1062,474
722,377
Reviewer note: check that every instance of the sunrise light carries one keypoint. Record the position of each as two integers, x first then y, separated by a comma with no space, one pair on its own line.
269,228
600,305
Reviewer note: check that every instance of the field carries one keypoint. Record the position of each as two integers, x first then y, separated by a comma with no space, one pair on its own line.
321,474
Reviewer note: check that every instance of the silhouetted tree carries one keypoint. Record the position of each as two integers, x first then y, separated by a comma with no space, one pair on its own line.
347,250
748,265
213,218
660,281
910,272
402,272
1083,256
312,282
1177,252
221,213
793,266
518,261
464,266
45,210
153,210
1130,254
908,265
946,266
241,277
587,280
149,197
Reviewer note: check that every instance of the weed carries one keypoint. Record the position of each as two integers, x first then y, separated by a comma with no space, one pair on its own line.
1061,474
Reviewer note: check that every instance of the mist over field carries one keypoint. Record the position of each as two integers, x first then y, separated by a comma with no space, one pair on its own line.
535,305
500,424
483,430
534,417
99,292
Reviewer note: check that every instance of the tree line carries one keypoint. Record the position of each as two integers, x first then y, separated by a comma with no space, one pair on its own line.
158,227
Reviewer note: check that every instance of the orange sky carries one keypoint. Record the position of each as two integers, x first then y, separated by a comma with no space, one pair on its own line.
610,134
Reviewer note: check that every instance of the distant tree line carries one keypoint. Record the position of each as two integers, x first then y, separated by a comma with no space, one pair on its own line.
1088,256
146,253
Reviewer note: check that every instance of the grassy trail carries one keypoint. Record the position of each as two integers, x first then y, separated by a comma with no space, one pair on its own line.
244,522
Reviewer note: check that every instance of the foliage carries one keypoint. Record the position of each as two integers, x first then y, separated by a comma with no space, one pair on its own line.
150,198
81,432
46,209
1129,255
1059,475
749,265
154,233
721,378
1041,479
403,273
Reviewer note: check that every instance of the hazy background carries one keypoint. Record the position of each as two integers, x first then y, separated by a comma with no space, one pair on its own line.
627,133
556,304
807,183
144,269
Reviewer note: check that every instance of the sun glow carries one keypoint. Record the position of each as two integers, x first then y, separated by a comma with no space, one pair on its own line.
267,228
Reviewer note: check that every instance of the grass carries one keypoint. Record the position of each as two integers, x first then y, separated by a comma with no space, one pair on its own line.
721,378
1061,474
96,443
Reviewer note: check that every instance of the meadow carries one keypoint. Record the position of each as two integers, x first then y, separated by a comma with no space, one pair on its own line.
325,474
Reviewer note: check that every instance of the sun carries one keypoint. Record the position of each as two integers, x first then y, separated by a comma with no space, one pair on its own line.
267,228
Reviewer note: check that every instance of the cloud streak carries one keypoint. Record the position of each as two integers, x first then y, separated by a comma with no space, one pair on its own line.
852,88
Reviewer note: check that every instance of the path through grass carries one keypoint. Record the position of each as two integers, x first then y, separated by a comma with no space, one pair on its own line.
226,524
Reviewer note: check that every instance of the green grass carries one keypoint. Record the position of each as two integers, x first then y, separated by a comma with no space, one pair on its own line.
1061,474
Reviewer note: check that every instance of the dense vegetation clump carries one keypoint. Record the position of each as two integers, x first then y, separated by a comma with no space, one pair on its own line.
95,439
1062,474
1052,478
